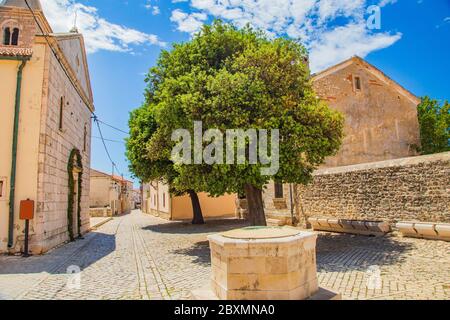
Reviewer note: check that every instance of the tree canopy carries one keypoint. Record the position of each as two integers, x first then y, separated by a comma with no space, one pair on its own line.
230,78
434,122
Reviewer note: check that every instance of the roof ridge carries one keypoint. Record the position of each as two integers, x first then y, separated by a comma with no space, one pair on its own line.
373,69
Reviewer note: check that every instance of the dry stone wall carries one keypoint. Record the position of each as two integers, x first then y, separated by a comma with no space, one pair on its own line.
416,188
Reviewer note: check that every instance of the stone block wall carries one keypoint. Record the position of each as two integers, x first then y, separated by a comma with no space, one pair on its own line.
100,212
54,150
279,209
416,188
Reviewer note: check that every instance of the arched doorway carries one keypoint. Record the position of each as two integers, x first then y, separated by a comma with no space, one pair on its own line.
75,173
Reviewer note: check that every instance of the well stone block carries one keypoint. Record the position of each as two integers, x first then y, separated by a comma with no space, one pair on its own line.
272,263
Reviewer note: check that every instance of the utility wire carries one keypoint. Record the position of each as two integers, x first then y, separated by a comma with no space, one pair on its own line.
104,145
109,140
108,125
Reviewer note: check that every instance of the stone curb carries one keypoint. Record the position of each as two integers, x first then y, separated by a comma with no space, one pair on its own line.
98,225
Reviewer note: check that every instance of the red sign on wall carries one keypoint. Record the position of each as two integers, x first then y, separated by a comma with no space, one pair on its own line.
26,210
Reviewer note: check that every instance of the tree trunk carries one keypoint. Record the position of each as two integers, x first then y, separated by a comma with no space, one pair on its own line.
256,213
198,215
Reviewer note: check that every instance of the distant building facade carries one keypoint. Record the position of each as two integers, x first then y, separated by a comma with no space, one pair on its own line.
137,198
110,194
158,201
45,125
380,123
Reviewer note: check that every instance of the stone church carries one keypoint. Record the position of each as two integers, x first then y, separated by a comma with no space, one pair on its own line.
380,124
45,124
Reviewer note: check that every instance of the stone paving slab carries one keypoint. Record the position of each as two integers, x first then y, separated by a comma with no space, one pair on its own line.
138,256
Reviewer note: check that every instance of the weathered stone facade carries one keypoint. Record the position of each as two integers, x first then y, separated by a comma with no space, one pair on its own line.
110,192
55,146
55,118
159,202
380,124
380,117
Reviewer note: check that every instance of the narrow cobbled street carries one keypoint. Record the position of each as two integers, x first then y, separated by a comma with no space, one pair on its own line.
138,256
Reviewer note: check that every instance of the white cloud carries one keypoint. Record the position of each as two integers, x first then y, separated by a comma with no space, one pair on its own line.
386,2
190,23
343,42
154,9
99,34
333,30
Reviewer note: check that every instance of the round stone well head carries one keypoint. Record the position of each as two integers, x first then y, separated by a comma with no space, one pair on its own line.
264,263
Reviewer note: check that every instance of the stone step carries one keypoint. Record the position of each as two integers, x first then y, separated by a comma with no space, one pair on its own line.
275,222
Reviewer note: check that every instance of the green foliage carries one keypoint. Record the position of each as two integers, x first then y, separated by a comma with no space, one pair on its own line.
434,122
74,159
231,78
149,160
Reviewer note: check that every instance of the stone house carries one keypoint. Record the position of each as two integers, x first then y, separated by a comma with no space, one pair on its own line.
110,194
158,201
380,124
46,101
137,198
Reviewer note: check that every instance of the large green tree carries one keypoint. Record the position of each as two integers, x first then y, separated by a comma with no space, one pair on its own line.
148,159
231,78
434,122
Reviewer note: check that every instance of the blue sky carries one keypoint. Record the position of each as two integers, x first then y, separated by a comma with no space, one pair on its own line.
124,39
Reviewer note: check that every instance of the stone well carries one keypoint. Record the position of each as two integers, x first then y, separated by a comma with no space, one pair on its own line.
264,263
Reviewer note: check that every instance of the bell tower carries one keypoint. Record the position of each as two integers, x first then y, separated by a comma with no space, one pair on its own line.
34,4
18,27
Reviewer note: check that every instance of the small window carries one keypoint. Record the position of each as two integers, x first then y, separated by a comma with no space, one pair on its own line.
15,37
2,183
164,200
61,113
357,83
85,138
154,199
278,190
7,36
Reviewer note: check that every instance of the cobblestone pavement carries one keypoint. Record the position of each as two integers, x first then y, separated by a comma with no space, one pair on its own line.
141,257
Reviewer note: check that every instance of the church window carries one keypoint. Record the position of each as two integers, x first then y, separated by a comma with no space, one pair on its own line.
6,36
61,113
15,37
278,190
85,138
357,83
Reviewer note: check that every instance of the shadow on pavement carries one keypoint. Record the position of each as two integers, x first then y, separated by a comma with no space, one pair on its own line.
200,252
211,226
79,253
338,252
335,252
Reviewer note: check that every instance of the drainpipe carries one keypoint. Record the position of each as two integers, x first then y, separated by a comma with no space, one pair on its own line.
14,152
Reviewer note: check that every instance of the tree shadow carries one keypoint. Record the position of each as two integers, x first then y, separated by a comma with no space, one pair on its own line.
200,251
340,252
335,252
81,253
183,227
